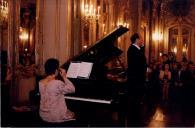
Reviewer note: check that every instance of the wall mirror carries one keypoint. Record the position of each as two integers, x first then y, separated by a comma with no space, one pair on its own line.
27,32
179,42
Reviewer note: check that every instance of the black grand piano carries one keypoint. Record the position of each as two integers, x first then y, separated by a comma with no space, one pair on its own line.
98,90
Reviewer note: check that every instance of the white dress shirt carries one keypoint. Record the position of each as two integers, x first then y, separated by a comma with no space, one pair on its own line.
136,46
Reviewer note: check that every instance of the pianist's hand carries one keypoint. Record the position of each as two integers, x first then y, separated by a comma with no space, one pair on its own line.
63,72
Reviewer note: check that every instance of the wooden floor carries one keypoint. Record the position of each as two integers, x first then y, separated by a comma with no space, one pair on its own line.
172,115
160,115
155,113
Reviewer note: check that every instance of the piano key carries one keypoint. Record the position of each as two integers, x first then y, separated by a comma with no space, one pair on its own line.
89,100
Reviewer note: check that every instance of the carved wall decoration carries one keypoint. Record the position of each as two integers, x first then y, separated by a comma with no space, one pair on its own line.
180,8
180,42
179,13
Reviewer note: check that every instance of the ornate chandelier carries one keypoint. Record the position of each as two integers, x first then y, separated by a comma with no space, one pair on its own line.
3,10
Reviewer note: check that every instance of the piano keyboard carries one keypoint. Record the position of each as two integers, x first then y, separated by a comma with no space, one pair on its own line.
89,100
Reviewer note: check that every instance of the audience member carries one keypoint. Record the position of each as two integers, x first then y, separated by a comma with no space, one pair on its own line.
165,77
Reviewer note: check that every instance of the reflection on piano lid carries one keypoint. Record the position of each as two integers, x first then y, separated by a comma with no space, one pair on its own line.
100,53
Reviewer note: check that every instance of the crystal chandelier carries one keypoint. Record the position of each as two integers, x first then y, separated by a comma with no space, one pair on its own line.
3,10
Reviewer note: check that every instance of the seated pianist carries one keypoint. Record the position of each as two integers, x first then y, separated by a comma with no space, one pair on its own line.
53,108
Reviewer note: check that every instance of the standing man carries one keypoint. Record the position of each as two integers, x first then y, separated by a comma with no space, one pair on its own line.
136,80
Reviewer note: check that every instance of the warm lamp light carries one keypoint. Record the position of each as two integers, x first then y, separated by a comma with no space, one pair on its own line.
184,50
91,12
175,50
160,54
157,36
3,10
24,36
85,46
124,24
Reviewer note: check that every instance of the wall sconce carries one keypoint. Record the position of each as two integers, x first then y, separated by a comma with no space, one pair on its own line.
23,36
91,12
175,50
85,47
3,10
157,36
184,49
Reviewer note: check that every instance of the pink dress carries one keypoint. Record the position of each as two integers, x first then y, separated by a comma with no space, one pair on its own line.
52,104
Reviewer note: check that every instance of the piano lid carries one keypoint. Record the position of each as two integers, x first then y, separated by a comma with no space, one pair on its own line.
102,51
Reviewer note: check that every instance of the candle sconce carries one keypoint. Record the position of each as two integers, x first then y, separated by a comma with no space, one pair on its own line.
3,11
91,12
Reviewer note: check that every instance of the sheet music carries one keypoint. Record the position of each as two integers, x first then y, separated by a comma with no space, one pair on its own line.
73,70
85,69
79,70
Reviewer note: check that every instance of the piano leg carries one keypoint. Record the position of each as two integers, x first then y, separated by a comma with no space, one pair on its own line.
93,114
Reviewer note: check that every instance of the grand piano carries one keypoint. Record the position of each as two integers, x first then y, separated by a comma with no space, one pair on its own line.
99,89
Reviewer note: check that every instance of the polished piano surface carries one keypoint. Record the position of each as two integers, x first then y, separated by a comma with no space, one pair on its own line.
104,86
99,86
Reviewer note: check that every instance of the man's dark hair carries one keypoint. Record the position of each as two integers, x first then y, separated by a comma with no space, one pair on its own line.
51,65
134,37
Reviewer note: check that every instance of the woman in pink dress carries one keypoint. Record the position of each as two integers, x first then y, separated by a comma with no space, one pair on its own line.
53,107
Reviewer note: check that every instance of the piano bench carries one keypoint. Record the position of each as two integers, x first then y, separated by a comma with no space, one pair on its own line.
70,123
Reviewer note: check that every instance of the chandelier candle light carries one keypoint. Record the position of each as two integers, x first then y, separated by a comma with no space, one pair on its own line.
90,12
3,9
124,24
